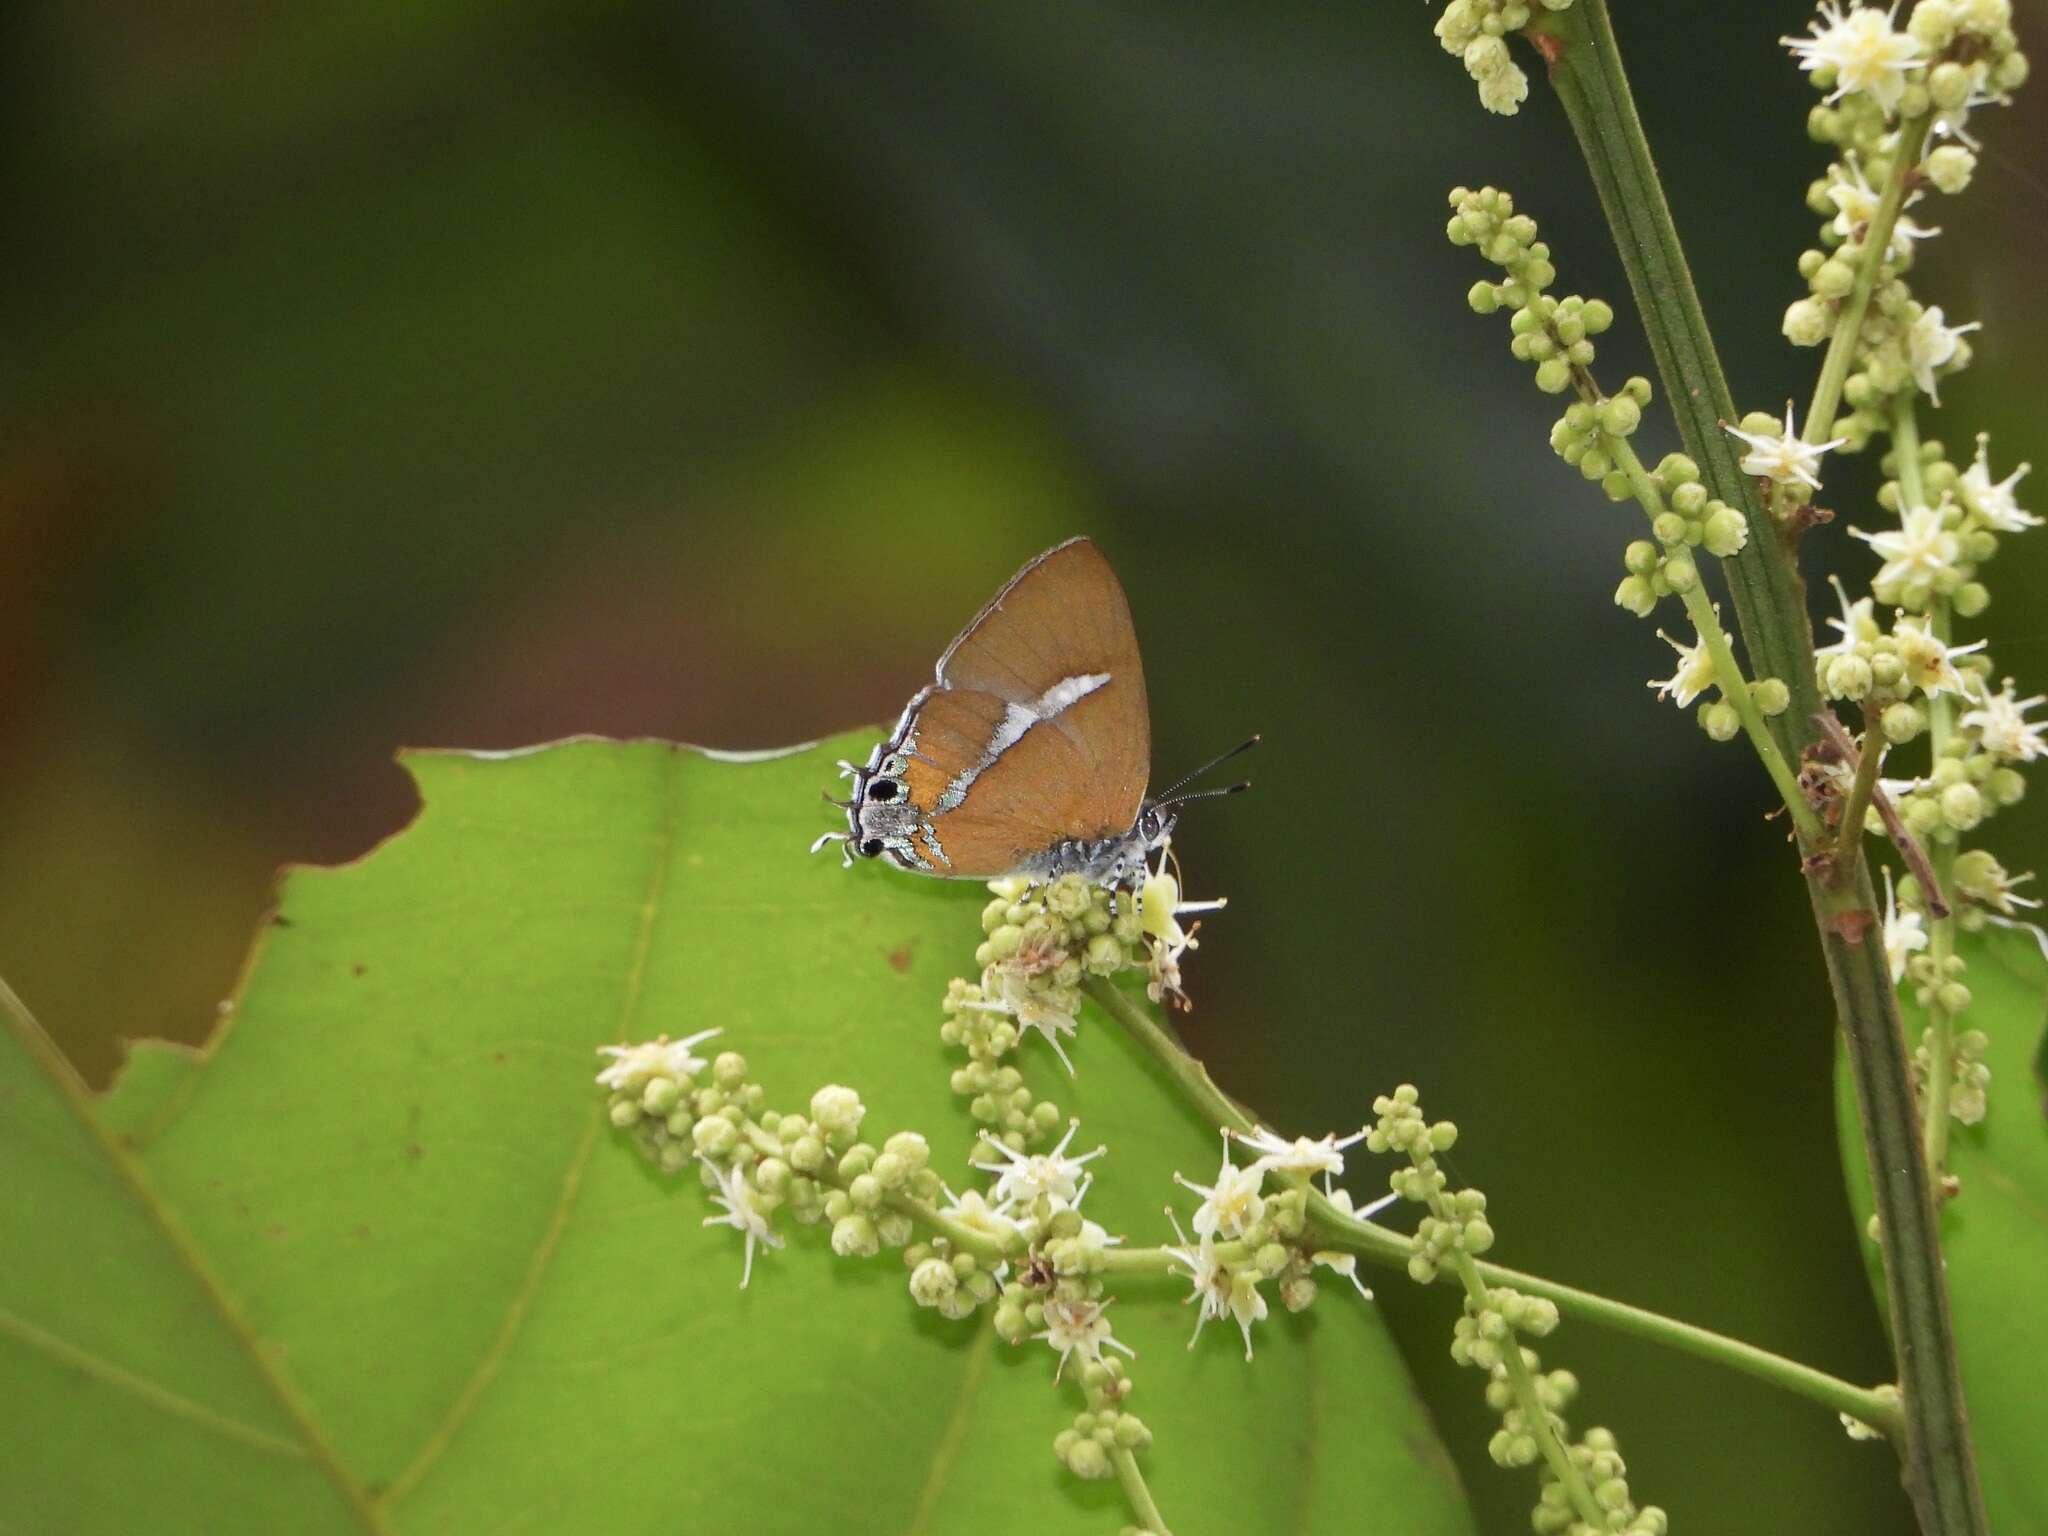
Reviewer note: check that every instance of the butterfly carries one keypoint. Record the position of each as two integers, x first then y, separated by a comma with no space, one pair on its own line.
1029,754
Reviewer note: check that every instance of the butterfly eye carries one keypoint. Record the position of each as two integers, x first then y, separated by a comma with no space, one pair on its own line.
872,848
883,789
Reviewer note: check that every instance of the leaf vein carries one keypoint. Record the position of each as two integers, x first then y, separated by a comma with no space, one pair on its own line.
521,1304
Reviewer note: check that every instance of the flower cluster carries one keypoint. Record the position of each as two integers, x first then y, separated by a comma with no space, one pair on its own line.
1592,1497
1246,1235
758,1162
1897,103
1477,32
1103,1430
1040,941
1896,109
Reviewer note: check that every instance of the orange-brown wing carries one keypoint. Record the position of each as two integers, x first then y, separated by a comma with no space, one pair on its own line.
1034,794
1064,617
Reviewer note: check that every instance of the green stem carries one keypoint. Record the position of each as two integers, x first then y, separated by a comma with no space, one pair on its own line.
1870,258
1936,1456
1140,1496
1855,811
1390,1249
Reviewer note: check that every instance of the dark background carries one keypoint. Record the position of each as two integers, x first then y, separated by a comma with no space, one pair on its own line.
457,374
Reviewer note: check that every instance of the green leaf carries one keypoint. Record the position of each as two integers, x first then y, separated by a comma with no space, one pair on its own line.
1995,1233
377,1260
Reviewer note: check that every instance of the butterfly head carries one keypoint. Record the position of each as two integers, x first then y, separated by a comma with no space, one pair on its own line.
879,817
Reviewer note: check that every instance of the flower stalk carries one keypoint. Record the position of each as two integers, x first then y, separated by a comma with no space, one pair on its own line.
1869,760
1834,368
1339,1229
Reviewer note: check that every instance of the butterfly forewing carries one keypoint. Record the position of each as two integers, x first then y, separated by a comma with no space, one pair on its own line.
1038,730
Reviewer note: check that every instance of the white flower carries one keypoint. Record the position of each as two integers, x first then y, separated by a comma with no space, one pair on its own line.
1995,504
1342,1200
1024,1177
634,1066
1858,623
1346,1264
1324,1155
1862,52
1094,1235
1211,1280
1856,206
973,1211
1218,1290
1997,893
1233,1204
1904,932
744,1212
2002,727
1695,674
1783,457
1159,912
1076,1326
1034,1001
1951,124
1916,551
1932,344
1247,1305
1928,660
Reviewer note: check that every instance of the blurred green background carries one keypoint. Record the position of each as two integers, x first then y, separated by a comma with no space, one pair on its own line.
451,374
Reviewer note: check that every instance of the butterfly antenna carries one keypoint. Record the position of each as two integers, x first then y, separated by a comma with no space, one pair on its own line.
1166,795
1206,794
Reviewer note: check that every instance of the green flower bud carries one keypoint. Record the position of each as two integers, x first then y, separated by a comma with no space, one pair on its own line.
1086,1458
1669,528
1950,167
1726,531
1902,722
1948,85
1554,376
932,1281
1620,416
1484,298
1635,595
1962,806
1833,279
854,1237
715,1136
1953,996
807,1154
1641,557
1808,322
894,1228
2006,786
1720,720
838,1111
1680,574
1771,695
